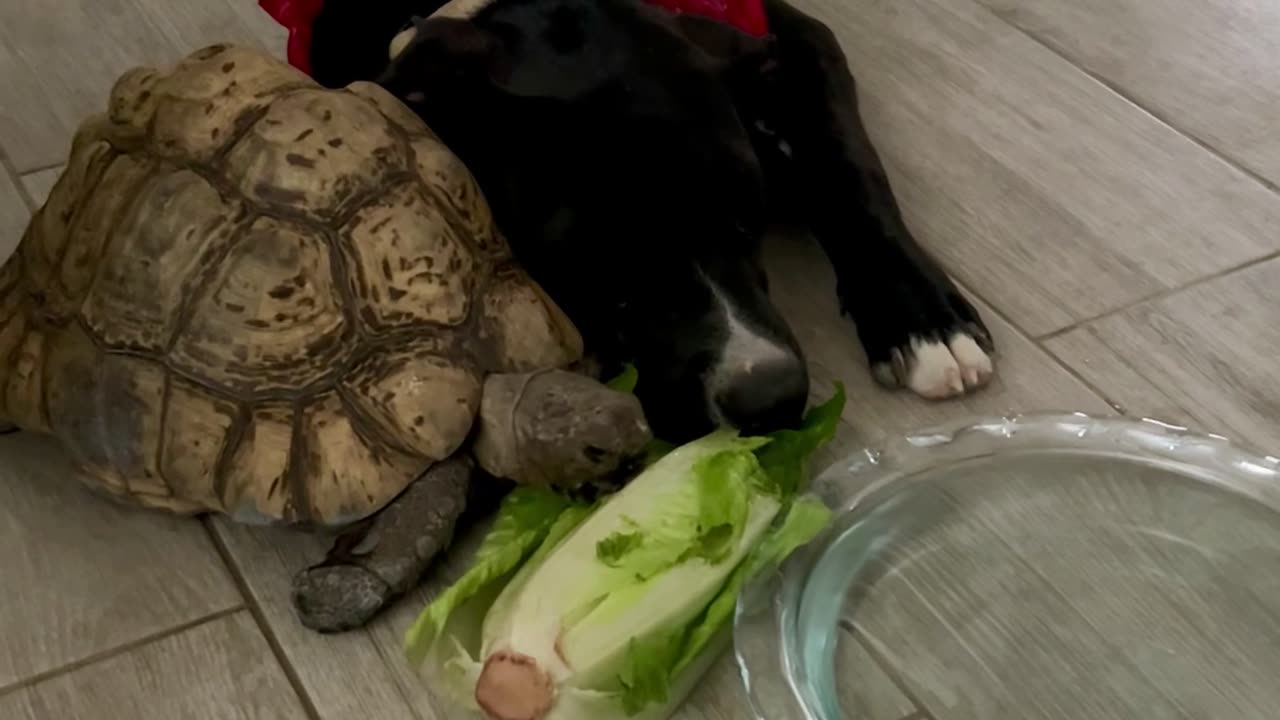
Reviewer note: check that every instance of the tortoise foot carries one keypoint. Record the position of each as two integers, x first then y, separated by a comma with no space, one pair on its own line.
338,598
372,565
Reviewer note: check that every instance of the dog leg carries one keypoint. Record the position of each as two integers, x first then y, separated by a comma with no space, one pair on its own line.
918,330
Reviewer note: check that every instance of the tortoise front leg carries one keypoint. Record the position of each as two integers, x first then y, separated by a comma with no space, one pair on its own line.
375,563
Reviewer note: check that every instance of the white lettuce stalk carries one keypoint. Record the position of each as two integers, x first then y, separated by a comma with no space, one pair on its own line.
572,612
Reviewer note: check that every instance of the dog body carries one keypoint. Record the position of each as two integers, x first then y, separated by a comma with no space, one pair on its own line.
635,158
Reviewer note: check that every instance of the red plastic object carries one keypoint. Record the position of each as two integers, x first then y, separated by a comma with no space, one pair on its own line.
297,17
746,15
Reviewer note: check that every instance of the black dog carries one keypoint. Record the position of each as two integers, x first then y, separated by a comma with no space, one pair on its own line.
634,158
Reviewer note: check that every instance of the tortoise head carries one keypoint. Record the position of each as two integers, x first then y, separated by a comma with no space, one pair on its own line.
606,138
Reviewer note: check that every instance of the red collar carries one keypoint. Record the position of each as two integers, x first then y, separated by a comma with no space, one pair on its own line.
746,15
297,17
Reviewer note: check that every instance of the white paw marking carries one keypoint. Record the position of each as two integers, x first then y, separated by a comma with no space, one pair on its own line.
937,371
975,364
884,372
932,372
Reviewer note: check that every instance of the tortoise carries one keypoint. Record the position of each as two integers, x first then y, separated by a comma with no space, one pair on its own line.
249,295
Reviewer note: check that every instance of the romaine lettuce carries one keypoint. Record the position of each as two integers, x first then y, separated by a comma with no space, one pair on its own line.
575,612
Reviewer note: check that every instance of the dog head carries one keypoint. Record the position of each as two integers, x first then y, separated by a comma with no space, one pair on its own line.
605,136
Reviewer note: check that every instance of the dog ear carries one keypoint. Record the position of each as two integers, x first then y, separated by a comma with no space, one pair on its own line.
437,50
728,48
348,37
498,56
559,51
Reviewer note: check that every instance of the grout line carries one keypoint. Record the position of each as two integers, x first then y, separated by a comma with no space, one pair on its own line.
1078,324
1036,343
1073,372
259,617
118,650
44,168
7,166
1159,295
401,691
920,712
1154,114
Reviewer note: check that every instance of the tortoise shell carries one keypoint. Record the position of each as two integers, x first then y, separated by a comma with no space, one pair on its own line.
252,295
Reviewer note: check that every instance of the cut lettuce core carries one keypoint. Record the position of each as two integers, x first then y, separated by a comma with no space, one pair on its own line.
513,687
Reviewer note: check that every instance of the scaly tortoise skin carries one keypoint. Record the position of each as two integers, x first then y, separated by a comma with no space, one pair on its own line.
251,295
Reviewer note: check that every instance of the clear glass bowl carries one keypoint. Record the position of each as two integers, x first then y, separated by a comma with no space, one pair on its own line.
1046,566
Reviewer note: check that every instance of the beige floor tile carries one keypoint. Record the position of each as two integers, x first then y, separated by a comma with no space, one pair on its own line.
1119,383
1206,355
350,676
1049,195
82,575
13,215
876,697
39,183
221,670
1205,66
59,60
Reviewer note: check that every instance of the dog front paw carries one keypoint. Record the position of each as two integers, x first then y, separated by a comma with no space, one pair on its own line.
936,368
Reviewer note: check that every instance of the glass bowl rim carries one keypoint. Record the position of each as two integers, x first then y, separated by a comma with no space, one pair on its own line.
771,667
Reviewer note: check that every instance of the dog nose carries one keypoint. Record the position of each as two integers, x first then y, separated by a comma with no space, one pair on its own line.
765,396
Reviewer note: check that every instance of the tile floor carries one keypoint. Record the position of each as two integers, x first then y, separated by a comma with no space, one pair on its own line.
1100,175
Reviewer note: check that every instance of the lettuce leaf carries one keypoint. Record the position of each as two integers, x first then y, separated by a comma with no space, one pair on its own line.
648,560
653,665
719,497
523,522
785,458
646,677
624,603
806,518
725,481
626,380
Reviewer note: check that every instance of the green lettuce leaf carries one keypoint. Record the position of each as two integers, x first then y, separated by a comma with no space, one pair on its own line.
524,520
705,516
613,549
626,380
656,450
725,486
807,517
786,458
655,664
565,523
646,677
